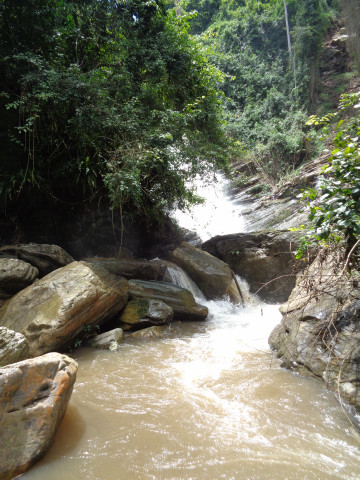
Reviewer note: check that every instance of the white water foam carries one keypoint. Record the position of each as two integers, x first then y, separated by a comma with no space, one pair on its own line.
218,215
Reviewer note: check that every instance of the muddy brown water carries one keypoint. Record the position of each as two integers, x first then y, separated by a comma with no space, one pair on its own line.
207,401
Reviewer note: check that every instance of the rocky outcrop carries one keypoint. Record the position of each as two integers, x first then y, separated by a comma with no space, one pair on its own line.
13,347
144,312
179,299
278,209
107,341
34,396
265,260
131,268
16,274
46,258
320,330
54,310
211,274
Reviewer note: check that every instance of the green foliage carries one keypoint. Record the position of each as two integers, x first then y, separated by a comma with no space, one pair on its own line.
104,95
334,206
205,11
87,333
266,91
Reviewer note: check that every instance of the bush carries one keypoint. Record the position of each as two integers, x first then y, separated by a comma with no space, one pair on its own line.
334,206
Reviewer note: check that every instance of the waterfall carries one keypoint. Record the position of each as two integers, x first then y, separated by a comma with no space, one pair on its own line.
218,215
179,277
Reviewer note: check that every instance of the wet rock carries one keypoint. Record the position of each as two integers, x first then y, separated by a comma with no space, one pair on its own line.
16,274
150,332
320,331
265,260
108,340
279,209
143,311
176,275
44,257
13,347
179,299
54,310
34,396
191,237
211,274
132,268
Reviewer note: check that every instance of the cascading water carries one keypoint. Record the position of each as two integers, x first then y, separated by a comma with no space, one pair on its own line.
219,215
207,401
180,278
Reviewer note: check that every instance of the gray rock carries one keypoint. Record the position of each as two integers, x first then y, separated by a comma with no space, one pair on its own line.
179,299
108,340
212,275
16,274
34,397
265,260
53,311
44,257
146,312
13,347
320,330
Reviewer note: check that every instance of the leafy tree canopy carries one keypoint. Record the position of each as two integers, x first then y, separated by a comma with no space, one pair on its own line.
268,92
104,96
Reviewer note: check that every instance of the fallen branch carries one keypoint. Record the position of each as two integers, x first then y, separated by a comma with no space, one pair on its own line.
238,287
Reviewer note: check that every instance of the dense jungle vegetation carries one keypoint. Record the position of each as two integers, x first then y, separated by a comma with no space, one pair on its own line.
271,81
104,98
126,100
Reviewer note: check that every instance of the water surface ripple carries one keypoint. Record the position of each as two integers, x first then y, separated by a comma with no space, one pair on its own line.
208,401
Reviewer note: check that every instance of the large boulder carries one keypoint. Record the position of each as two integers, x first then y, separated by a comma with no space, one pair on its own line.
320,330
131,268
211,274
176,275
13,347
44,257
34,396
144,312
265,260
179,299
54,310
16,274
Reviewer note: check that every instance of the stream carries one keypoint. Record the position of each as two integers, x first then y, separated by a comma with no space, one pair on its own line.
206,401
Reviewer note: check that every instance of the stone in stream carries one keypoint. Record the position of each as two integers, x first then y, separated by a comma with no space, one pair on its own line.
320,330
212,275
107,341
179,299
144,312
34,397
13,347
16,274
148,333
54,310
265,260
46,258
